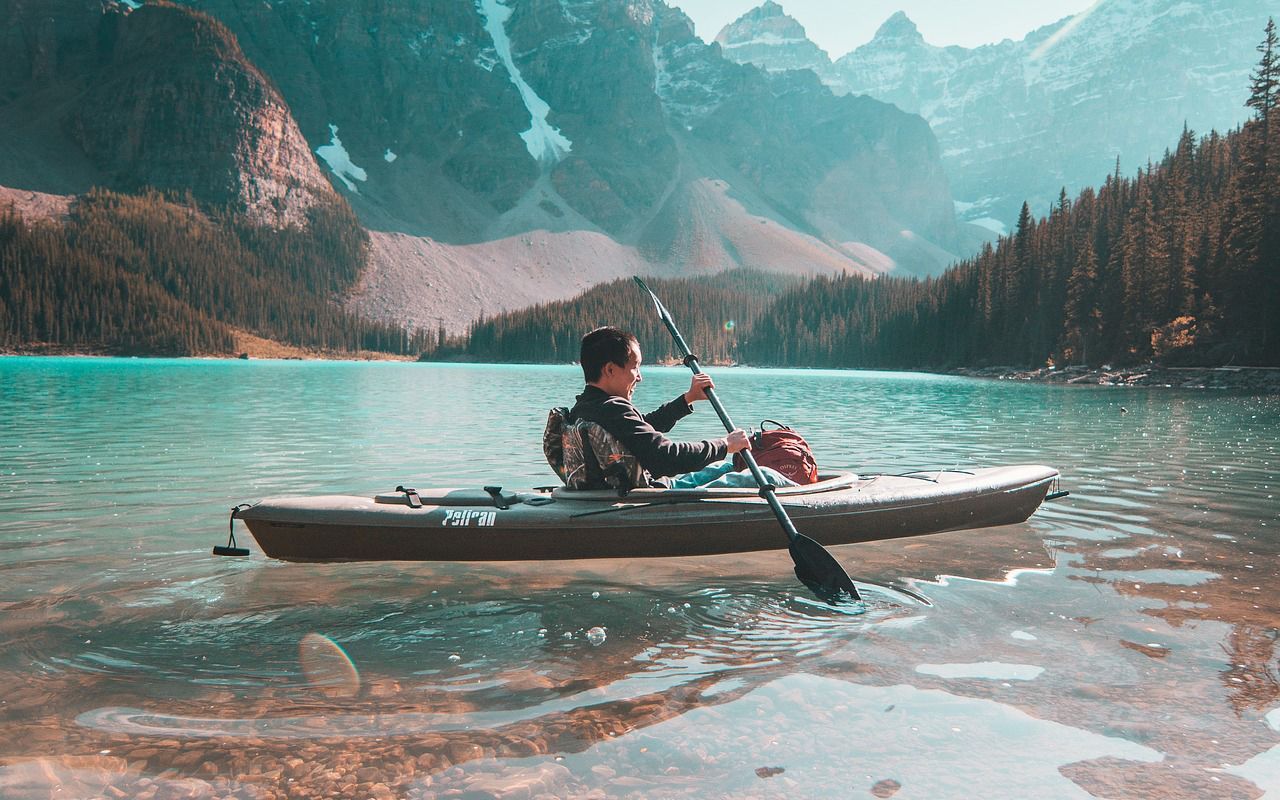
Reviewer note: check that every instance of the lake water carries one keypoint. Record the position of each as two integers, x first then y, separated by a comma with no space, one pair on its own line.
1121,643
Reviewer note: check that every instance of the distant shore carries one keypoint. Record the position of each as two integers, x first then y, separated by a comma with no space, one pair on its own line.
247,346
1265,380
1262,380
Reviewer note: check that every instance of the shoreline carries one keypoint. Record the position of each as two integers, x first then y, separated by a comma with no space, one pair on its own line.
1262,380
247,348
1265,380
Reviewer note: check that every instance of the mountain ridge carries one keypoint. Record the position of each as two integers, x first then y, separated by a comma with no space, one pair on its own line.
607,131
109,98
1020,120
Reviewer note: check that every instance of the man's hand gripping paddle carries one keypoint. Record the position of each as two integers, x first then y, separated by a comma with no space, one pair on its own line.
815,567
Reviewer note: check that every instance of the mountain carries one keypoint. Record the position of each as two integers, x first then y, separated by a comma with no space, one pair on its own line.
553,126
473,122
502,155
248,239
1177,265
158,96
767,37
1020,120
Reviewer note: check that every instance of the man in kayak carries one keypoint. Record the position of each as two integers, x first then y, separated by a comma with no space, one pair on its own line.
610,361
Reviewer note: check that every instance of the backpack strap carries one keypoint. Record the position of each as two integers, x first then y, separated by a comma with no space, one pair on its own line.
553,440
579,466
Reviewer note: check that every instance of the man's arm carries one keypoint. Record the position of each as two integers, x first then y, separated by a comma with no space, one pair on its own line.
656,453
665,417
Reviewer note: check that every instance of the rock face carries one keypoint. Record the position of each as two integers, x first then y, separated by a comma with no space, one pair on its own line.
159,96
1021,120
767,37
473,122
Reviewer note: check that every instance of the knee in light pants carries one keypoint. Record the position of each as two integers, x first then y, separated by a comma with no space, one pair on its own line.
721,475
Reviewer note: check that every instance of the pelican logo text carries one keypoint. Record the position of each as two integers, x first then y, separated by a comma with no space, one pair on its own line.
460,518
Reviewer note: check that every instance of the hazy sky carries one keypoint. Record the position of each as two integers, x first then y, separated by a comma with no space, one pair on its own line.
839,26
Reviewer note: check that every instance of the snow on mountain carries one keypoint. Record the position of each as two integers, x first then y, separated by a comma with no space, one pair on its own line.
546,143
339,161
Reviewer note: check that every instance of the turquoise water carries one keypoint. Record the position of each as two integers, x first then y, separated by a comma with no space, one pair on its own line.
1120,643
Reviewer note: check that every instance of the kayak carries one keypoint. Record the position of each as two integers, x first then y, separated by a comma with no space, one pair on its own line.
492,524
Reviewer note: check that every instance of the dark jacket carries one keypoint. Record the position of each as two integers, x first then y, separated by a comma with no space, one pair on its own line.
642,435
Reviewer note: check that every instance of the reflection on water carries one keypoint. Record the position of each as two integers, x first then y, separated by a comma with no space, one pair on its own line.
933,743
1121,643
987,670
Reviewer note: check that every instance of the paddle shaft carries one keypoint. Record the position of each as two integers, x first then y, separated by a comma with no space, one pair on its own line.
815,567
784,519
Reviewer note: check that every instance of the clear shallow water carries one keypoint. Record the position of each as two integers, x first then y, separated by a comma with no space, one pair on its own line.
1121,643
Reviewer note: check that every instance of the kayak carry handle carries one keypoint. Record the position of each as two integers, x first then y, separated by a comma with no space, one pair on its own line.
230,549
1055,491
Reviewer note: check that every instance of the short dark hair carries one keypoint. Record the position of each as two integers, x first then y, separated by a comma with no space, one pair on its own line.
603,346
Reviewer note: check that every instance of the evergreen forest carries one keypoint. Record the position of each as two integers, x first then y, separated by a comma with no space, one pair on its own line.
1179,263
711,311
151,275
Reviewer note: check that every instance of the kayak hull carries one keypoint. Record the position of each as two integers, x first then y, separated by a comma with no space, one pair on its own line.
451,525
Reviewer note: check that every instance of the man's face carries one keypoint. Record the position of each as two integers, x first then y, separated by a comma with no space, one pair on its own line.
621,381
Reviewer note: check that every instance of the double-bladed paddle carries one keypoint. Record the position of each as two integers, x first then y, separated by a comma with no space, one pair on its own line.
815,567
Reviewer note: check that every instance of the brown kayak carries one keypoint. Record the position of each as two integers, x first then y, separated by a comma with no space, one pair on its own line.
493,525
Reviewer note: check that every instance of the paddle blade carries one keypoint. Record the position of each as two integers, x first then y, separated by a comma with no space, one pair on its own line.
663,314
819,570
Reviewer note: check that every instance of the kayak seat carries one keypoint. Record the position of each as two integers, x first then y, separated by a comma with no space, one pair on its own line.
586,456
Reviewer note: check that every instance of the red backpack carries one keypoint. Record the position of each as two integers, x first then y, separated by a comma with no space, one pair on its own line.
781,449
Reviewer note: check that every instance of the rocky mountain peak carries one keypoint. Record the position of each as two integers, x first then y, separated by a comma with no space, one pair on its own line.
767,20
898,30
157,95
1019,120
767,37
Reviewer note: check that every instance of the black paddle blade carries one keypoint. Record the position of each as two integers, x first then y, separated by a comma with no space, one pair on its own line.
662,310
819,570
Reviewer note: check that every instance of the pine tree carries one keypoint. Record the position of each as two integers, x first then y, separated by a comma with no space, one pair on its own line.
1253,238
1082,314
1264,92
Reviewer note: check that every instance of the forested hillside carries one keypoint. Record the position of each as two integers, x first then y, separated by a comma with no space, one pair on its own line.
711,312
1180,263
147,275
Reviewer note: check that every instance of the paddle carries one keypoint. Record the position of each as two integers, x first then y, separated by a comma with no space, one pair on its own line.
815,567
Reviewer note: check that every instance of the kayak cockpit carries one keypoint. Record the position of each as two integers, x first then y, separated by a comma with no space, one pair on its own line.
495,496
827,482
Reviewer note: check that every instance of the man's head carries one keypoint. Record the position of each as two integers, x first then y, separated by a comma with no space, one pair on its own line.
610,360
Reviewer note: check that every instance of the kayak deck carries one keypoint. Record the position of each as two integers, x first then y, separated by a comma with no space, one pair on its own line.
564,524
